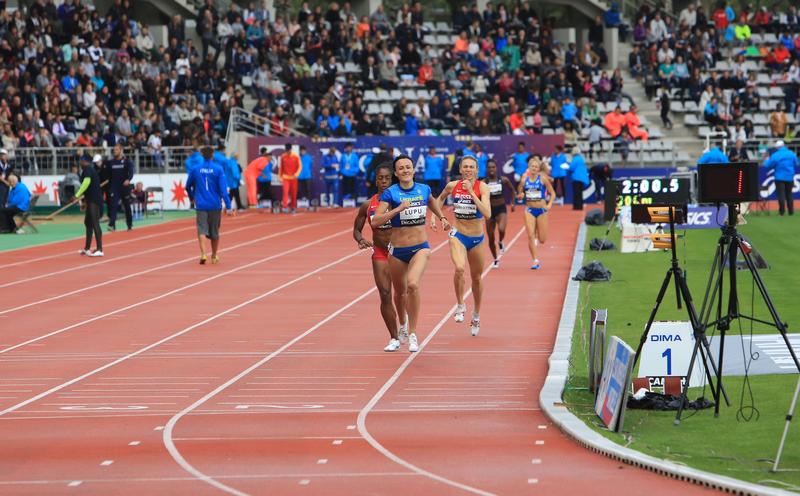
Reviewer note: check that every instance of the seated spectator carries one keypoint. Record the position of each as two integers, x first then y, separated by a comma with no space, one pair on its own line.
635,62
614,121
634,124
17,203
570,113
778,122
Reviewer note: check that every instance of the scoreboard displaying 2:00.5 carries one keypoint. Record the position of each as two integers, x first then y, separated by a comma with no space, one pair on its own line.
646,191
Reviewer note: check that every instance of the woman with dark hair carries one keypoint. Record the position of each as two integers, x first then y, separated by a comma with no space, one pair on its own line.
406,205
499,216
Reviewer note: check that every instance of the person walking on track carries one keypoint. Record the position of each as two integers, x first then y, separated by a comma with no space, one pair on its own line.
92,195
207,191
537,191
290,169
380,258
497,200
406,205
784,162
120,170
470,205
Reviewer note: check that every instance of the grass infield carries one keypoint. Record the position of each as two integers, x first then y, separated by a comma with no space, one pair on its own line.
725,445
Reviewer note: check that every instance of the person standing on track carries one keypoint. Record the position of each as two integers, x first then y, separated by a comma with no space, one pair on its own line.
537,191
120,170
497,200
93,197
580,178
330,174
434,170
349,171
470,205
380,258
304,179
406,204
207,191
290,169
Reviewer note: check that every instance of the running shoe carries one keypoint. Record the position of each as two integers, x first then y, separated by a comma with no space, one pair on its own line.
459,315
203,259
402,332
83,252
496,264
502,247
393,345
536,265
96,253
475,325
214,260
111,228
413,347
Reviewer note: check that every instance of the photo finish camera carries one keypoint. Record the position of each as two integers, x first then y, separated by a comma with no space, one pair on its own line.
728,183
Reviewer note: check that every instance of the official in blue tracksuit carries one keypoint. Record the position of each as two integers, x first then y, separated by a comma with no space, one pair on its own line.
580,179
330,174
434,171
193,161
349,171
306,170
520,161
784,162
558,166
233,175
120,171
483,160
713,156
207,189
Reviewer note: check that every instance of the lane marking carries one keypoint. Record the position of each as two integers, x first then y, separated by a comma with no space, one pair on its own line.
362,415
542,426
174,291
134,443
351,427
159,428
536,461
337,442
285,407
304,482
533,481
168,431
75,483
539,442
146,271
322,461
106,463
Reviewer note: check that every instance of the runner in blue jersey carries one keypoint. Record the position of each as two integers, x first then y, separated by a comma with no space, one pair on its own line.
470,206
537,191
406,205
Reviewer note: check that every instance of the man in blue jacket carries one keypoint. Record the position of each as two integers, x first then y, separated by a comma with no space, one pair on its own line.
713,156
349,170
580,179
558,166
304,179
233,174
331,164
784,162
520,161
193,161
434,170
207,191
18,202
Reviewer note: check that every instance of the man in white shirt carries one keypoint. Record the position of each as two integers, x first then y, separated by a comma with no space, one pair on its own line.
688,16
658,29
154,146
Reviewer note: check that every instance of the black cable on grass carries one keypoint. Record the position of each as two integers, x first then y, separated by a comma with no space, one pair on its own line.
748,412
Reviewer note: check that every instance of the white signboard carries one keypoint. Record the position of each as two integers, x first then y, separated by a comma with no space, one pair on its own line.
636,238
667,352
612,395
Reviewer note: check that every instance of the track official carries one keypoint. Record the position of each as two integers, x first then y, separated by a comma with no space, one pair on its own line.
784,162
120,172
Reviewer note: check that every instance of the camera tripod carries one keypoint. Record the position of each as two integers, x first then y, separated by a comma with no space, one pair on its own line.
683,295
731,243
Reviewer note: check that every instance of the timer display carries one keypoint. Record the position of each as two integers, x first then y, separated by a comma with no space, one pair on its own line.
646,191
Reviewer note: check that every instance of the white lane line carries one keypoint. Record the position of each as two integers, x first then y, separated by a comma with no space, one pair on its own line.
167,437
322,461
533,481
536,461
196,325
542,426
134,443
351,427
112,259
75,483
304,482
362,415
174,291
159,428
271,476
337,442
539,442
147,271
106,463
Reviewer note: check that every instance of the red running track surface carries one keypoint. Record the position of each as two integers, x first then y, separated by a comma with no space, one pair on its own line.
145,373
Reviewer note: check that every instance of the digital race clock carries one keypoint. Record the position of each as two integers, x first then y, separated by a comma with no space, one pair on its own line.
646,191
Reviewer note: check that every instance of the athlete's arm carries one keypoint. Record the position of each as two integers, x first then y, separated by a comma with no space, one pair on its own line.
521,185
507,182
433,204
384,215
84,186
551,193
483,203
358,226
440,201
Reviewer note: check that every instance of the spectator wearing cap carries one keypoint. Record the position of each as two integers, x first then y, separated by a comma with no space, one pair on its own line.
18,202
784,162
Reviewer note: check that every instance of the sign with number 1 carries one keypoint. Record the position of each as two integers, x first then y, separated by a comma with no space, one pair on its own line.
667,352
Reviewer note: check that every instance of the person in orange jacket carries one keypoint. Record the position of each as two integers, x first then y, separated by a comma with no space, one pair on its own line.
290,168
633,123
251,174
613,121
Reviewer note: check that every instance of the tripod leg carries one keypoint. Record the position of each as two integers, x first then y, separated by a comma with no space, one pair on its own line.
685,392
652,318
708,298
786,427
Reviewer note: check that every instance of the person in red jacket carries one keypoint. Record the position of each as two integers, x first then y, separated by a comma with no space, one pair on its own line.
289,171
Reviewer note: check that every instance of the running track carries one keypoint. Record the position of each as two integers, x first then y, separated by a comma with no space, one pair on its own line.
144,373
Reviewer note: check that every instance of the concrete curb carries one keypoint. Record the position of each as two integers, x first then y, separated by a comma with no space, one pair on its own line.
550,399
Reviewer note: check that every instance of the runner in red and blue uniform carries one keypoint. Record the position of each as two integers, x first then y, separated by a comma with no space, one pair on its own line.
406,205
380,258
470,206
537,190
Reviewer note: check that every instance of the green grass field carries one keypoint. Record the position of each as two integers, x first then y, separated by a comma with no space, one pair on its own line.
70,226
724,445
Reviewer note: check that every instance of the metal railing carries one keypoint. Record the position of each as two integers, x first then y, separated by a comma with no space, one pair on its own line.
242,120
57,161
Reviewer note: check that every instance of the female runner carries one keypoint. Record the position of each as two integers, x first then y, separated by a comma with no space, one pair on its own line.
406,205
380,257
497,199
470,205
537,190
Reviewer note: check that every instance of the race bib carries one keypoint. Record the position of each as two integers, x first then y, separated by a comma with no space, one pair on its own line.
414,216
495,189
465,210
533,194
